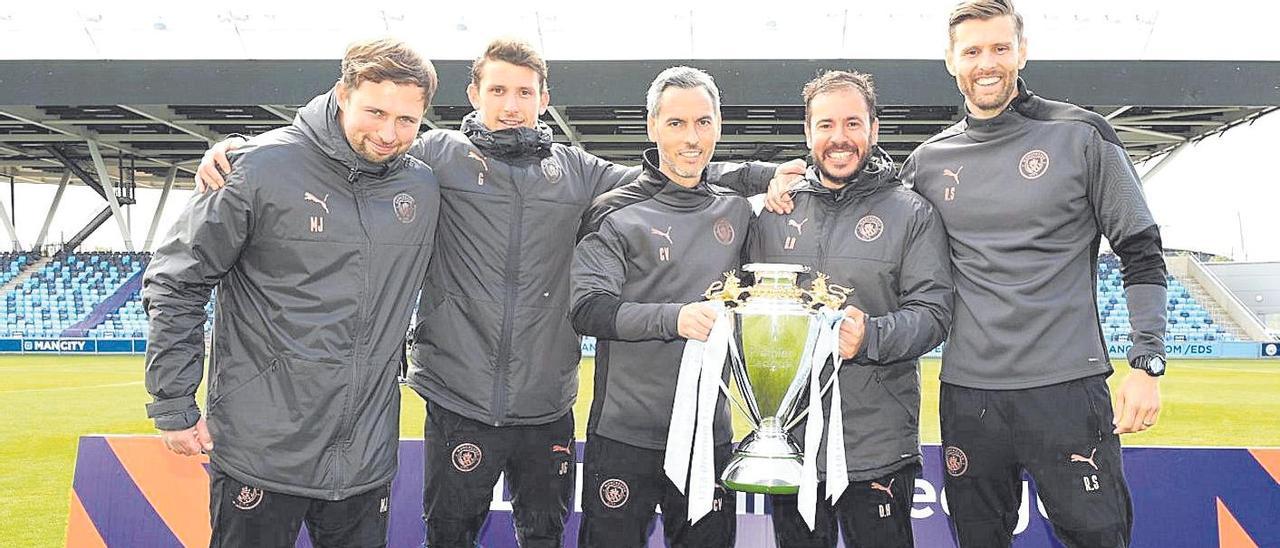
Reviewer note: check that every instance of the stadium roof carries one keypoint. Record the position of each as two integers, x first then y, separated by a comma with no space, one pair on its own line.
151,85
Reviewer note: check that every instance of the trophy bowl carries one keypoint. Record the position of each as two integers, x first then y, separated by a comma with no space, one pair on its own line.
776,327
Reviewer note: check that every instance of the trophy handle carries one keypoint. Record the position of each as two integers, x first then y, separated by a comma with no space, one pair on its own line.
821,293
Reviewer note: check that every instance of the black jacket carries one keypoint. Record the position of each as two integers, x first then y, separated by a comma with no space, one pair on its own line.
314,253
647,249
888,245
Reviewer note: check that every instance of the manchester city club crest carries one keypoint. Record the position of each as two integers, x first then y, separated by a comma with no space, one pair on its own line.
724,231
551,169
466,457
1033,164
406,207
957,462
614,492
248,498
869,228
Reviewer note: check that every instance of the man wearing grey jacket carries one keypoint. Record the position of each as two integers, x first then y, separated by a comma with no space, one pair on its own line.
316,220
854,222
1026,187
646,253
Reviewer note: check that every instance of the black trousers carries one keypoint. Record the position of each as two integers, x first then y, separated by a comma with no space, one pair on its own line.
1060,434
244,515
463,460
871,514
622,485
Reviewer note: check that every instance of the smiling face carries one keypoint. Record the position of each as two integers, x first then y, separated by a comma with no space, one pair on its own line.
380,119
840,133
685,126
985,57
508,96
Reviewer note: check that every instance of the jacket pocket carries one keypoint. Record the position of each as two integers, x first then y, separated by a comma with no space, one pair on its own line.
292,408
901,388
881,416
223,394
455,346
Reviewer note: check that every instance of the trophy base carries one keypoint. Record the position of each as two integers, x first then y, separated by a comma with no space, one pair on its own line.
764,464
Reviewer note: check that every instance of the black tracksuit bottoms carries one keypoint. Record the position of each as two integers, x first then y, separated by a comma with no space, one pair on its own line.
463,460
871,513
1062,435
622,485
244,515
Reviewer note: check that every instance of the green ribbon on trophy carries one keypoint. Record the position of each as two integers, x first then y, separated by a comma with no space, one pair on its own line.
774,332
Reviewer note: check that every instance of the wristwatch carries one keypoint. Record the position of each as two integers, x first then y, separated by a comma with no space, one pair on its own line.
1153,365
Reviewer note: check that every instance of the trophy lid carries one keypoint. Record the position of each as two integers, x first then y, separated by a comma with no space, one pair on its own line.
775,267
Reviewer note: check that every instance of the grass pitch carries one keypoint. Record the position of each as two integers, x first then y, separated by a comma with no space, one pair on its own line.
48,402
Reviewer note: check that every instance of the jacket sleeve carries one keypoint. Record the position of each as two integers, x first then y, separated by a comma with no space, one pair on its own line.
925,298
596,277
746,179
753,248
601,175
907,171
429,146
203,245
1115,192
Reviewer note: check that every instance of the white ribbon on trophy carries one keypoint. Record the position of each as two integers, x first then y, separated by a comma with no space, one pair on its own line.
828,345
693,417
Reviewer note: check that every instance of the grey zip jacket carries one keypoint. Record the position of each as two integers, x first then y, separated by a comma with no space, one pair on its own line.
314,253
1026,197
887,244
493,341
646,250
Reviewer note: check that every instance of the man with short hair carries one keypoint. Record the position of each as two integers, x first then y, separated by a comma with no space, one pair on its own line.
647,252
855,222
315,220
494,355
1026,186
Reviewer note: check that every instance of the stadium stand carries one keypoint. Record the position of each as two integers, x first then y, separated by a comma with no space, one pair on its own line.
11,264
97,295
1189,321
66,294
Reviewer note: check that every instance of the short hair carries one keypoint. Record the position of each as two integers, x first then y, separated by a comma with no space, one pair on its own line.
681,77
983,10
386,59
833,80
514,51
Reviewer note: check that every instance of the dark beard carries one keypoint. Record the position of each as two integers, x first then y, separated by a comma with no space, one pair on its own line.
1007,91
842,181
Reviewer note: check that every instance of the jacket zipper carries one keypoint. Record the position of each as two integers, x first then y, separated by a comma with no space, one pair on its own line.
514,236
825,243
347,429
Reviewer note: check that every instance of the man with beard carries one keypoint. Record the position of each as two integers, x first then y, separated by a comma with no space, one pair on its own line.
647,252
853,221
494,355
303,407
1026,186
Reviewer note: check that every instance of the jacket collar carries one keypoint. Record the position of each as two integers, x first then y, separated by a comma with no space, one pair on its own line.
526,144
878,173
668,192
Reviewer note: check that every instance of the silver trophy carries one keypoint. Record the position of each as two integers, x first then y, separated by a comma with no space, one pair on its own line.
776,326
